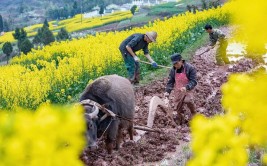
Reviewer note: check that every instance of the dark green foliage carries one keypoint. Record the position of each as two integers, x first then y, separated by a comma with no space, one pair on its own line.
47,36
210,4
6,26
46,23
44,35
63,35
16,35
214,4
74,9
133,9
7,49
38,37
23,34
102,8
26,46
1,24
20,34
204,4
189,7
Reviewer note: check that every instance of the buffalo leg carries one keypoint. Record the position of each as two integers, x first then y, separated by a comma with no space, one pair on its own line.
109,145
111,135
119,138
130,130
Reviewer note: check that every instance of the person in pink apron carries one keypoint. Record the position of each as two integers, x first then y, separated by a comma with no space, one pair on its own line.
182,79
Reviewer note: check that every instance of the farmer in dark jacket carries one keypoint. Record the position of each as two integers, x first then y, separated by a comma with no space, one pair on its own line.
182,79
128,48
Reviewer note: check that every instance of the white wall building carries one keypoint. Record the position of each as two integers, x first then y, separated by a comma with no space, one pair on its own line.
145,2
91,14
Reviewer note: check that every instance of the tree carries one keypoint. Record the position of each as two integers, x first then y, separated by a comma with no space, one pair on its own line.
65,12
74,8
38,37
194,9
189,7
20,34
63,35
214,4
204,4
53,13
16,35
75,5
7,49
102,8
26,46
6,26
47,36
46,23
133,9
23,34
21,9
1,24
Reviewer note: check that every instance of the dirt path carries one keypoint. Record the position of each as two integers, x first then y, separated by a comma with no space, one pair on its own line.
158,148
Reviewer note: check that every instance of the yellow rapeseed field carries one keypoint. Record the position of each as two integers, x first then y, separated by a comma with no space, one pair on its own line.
72,25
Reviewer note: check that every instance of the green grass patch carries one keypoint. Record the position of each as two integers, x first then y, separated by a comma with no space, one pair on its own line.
154,75
165,9
172,8
141,18
191,2
165,5
189,51
124,23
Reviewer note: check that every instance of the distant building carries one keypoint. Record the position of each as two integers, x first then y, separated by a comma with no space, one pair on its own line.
91,14
145,2
34,15
127,6
124,9
169,0
96,8
113,7
108,11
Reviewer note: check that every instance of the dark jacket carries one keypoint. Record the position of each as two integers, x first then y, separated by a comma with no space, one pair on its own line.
217,35
136,42
190,72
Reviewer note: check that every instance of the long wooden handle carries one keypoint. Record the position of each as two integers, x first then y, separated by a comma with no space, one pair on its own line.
144,128
202,53
158,65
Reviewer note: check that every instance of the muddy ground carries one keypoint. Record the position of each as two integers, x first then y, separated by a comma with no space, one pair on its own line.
153,147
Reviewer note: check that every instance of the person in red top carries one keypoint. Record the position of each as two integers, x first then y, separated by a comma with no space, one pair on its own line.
182,79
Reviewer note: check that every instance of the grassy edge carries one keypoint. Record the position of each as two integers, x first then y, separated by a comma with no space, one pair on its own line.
189,51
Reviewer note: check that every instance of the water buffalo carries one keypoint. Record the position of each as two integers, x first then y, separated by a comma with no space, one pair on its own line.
116,94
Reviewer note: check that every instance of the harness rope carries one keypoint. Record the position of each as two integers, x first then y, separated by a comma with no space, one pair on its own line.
105,130
102,108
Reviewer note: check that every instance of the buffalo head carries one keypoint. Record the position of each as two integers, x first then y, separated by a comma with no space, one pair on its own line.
91,125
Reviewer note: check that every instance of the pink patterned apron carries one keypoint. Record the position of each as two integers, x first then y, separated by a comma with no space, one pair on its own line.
180,81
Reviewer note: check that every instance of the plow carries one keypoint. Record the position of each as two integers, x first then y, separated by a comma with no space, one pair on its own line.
154,103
